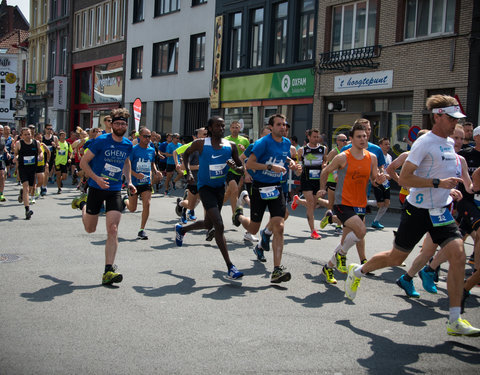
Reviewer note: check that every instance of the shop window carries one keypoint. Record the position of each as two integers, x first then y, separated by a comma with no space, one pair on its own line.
165,58
280,33
137,63
354,25
235,41
197,52
424,18
256,38
83,94
166,6
163,117
108,84
137,11
306,34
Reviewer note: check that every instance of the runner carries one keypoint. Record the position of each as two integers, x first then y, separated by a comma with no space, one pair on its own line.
42,166
172,146
51,141
27,153
62,158
142,160
103,162
429,171
4,157
267,160
382,192
214,160
354,167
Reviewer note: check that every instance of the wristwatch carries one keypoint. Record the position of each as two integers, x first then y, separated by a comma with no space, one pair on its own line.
435,183
269,167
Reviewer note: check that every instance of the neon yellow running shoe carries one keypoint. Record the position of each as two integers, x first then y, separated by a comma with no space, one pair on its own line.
328,273
341,262
352,282
326,218
76,201
111,277
461,327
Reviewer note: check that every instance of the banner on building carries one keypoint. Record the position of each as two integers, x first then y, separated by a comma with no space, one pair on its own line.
364,81
137,113
215,89
59,92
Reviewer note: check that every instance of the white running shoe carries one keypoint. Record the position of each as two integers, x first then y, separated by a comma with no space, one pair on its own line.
461,327
352,282
250,237
241,199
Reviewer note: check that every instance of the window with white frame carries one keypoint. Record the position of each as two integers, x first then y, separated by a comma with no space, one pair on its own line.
63,59
91,29
425,18
43,62
114,19
98,25
106,22
84,29
34,13
34,64
256,35
45,12
78,29
166,6
354,25
280,33
235,41
307,25
53,56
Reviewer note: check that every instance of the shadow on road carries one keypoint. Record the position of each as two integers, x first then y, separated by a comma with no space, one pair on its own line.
60,288
390,357
11,218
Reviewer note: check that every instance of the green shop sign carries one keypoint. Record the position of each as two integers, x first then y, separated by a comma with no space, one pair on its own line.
279,85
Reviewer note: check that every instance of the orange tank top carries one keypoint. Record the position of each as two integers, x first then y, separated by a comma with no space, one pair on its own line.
352,181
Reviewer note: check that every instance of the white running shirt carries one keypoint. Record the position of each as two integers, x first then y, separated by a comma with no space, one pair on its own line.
435,158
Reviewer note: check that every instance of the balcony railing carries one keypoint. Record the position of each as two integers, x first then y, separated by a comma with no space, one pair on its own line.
349,59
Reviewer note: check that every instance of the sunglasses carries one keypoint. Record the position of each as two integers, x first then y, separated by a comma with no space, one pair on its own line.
342,140
108,120
146,136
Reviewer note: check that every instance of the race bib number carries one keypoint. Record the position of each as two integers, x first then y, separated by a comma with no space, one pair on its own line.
360,210
50,148
217,170
314,174
269,192
111,172
441,216
143,167
29,160
61,152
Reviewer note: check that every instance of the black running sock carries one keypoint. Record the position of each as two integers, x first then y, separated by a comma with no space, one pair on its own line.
27,208
108,267
407,277
229,265
82,204
428,268
330,221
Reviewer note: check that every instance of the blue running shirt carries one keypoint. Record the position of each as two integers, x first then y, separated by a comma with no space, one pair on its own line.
213,164
269,151
109,159
142,159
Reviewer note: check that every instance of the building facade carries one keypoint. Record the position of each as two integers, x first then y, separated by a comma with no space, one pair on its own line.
169,62
381,60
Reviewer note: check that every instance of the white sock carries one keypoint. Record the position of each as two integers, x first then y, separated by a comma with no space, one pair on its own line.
380,213
372,202
454,314
349,241
358,271
267,231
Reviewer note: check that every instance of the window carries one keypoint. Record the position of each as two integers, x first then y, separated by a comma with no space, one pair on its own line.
91,29
53,11
198,2
197,52
2,89
280,33
235,41
115,19
34,14
354,25
45,12
78,29
256,36
166,6
64,7
122,18
53,57
429,17
106,23
307,25
163,117
63,59
137,62
165,57
43,62
98,25
84,29
137,11
34,64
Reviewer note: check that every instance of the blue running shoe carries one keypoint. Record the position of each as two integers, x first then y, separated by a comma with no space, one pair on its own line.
178,235
377,225
191,215
234,273
259,253
408,287
265,240
427,280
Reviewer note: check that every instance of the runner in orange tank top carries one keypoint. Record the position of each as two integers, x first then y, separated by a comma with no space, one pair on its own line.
355,167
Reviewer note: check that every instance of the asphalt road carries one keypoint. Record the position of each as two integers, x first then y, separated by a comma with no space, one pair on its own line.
175,311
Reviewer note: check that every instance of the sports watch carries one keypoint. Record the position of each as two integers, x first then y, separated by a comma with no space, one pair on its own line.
435,183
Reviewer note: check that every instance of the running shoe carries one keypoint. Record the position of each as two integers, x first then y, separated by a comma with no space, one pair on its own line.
338,229
294,204
465,295
408,287
124,203
280,274
37,193
167,194
111,277
59,191
178,208
32,201
43,191
28,214
235,217
265,240
210,235
461,327
258,251
250,237
427,280
2,198
315,235
341,262
241,199
352,282
328,273
76,201
142,235
191,215
377,225
234,273
368,273
20,196
178,235
326,219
